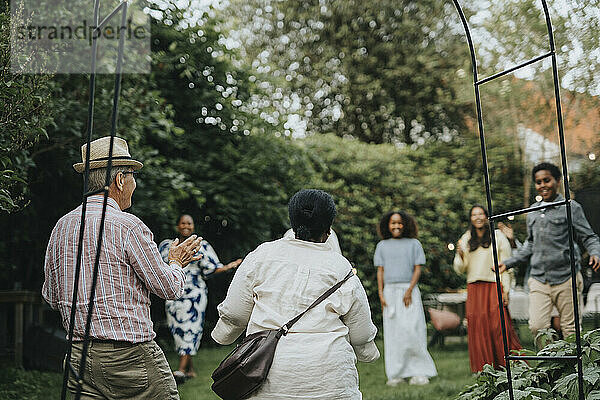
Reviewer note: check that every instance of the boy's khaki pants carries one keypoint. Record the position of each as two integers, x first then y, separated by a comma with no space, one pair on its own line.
121,370
543,296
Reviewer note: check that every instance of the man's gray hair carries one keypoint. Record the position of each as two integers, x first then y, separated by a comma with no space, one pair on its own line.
97,177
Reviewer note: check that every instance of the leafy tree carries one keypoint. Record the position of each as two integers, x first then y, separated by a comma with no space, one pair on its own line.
24,113
512,31
587,177
380,72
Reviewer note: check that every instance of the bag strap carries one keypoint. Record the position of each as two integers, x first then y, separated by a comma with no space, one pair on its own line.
285,328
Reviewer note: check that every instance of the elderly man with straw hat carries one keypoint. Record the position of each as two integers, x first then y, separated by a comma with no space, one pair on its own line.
123,361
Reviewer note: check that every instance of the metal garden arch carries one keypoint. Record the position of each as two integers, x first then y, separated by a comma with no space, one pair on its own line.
567,202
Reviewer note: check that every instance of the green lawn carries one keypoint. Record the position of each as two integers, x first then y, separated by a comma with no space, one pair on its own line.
452,362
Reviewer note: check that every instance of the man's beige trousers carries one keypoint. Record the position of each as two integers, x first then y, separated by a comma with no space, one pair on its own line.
121,370
543,296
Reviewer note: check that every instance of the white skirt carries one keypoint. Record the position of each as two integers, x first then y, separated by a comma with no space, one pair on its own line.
405,335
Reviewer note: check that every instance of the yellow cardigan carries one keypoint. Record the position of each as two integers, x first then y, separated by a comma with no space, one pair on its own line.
478,264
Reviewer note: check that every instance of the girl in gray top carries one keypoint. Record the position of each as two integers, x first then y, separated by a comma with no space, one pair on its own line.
399,258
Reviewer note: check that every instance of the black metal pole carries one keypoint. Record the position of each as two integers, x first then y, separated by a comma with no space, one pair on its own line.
488,196
88,137
563,159
107,183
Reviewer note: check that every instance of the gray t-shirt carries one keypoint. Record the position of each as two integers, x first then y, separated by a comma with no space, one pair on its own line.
398,258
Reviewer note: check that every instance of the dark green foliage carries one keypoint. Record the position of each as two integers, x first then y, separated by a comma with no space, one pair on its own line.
55,187
552,380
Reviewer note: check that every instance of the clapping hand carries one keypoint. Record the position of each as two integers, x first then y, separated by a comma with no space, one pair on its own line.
183,253
460,250
501,268
507,230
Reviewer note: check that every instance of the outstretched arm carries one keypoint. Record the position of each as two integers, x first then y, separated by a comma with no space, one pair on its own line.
522,254
229,266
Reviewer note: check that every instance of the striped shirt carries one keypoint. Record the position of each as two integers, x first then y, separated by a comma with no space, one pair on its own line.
130,269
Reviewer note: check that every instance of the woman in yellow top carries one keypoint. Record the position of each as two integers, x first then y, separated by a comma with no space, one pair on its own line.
474,257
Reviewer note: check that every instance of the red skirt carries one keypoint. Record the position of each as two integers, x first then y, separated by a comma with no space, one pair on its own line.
484,328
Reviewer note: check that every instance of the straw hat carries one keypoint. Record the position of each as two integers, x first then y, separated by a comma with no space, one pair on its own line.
99,155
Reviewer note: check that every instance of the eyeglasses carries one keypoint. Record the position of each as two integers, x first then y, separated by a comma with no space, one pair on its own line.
134,173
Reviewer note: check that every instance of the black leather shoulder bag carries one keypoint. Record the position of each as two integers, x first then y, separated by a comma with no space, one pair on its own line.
245,369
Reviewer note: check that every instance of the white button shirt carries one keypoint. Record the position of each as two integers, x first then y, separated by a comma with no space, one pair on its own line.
316,359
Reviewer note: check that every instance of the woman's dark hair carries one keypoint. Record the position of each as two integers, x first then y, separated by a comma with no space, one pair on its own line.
181,216
410,229
311,213
476,241
546,166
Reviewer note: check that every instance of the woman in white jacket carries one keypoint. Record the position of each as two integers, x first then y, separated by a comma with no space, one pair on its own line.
279,280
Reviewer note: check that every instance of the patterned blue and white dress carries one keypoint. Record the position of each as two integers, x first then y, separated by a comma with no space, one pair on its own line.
185,315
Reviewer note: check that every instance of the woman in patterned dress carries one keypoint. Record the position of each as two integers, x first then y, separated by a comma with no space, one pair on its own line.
185,315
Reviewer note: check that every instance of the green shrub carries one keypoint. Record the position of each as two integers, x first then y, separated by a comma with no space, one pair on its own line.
548,379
